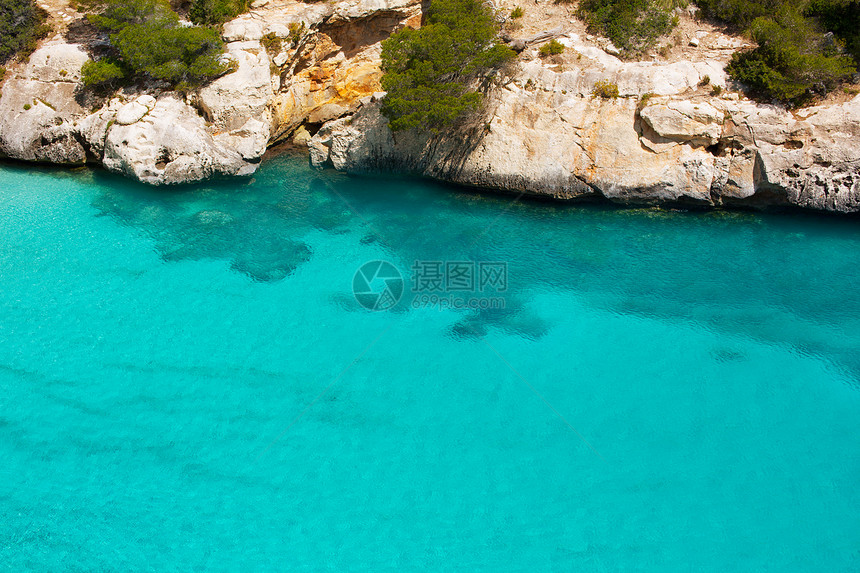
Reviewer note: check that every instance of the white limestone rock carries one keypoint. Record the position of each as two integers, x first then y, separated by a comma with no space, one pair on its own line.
612,50
38,107
93,128
360,9
242,30
326,113
246,93
170,145
250,140
698,123
56,62
675,151
580,148
544,133
131,113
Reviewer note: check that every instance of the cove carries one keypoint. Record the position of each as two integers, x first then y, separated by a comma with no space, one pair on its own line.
188,383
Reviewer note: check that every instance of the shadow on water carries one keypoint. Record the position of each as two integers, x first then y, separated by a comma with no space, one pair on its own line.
787,279
255,225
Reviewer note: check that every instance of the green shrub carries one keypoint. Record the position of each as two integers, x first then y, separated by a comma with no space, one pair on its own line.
116,15
739,14
716,90
22,25
643,100
632,25
430,73
517,13
272,43
296,32
214,12
148,42
605,89
102,73
793,62
797,57
183,57
552,48
842,17
27,106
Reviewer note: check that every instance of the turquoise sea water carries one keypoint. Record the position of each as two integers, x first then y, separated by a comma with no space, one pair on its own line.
188,383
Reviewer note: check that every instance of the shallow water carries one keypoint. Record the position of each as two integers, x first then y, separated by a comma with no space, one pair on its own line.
188,383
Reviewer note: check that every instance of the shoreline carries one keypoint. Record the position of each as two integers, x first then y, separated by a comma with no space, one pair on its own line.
596,202
679,135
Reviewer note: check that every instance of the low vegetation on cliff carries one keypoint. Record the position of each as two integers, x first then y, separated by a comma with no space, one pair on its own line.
794,61
149,42
805,47
213,12
22,25
434,75
632,25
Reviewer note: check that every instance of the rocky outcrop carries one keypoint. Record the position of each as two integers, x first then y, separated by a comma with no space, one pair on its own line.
160,140
684,121
167,144
810,160
578,150
38,107
586,148
546,134
238,104
328,61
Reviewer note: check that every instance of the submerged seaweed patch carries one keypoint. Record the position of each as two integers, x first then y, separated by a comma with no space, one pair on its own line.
655,264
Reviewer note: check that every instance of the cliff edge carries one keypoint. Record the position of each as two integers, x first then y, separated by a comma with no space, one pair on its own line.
677,134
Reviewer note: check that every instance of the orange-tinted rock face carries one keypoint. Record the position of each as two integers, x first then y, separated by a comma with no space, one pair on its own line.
330,88
326,84
338,64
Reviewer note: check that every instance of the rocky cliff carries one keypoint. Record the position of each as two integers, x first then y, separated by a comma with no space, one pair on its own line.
547,135
328,60
669,138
